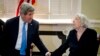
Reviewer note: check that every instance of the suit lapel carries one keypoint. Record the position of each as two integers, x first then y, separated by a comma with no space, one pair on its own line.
16,28
29,32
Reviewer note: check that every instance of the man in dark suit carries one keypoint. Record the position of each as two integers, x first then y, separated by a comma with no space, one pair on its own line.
1,28
1,33
20,32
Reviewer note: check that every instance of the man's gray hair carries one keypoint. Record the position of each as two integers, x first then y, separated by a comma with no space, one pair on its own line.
83,19
25,8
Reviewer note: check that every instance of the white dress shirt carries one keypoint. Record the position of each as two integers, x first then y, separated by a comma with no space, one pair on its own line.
19,38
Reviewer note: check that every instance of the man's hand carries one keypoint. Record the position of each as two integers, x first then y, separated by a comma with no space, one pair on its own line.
31,49
48,54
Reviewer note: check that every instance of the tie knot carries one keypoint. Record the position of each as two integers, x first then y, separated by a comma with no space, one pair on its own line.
24,23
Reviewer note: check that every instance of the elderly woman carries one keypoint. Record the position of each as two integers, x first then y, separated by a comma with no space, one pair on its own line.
82,40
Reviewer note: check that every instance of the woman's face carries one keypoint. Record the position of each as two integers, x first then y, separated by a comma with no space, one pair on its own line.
77,22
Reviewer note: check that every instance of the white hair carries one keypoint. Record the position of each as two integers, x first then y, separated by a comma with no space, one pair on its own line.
83,19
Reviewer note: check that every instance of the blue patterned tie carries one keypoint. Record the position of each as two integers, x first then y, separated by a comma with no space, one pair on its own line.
24,41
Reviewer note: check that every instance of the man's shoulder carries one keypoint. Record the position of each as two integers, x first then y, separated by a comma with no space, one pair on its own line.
35,22
2,22
11,20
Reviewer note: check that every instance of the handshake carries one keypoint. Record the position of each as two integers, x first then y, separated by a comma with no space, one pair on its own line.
48,54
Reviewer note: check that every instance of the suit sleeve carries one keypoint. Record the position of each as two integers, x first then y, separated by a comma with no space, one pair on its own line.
1,28
4,40
38,41
1,34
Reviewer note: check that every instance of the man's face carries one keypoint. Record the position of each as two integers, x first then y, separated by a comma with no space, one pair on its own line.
28,17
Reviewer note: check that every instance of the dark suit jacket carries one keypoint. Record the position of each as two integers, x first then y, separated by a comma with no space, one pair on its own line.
1,33
11,29
86,46
1,28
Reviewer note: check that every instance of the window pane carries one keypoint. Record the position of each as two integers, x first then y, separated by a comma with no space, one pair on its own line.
44,9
